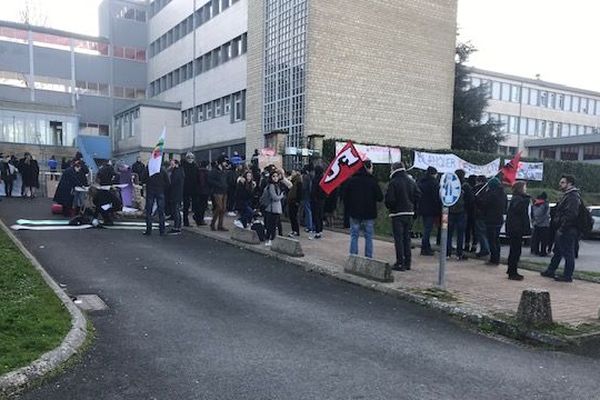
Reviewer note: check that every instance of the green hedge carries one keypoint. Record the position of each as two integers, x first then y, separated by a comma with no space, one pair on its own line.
587,175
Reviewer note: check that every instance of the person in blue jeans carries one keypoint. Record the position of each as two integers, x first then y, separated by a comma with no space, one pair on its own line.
361,195
430,207
155,193
567,231
457,217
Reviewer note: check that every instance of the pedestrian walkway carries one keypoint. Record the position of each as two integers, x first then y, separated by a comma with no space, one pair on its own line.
472,282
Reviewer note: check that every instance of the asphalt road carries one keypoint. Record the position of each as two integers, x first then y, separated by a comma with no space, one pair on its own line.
191,318
589,253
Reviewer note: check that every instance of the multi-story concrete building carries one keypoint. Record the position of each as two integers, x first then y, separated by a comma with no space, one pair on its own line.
222,74
57,88
544,119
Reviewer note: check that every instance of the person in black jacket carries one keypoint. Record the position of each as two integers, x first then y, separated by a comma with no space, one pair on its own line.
564,221
191,189
244,194
69,179
155,192
138,167
457,217
517,226
401,199
203,191
430,207
361,195
493,204
217,181
317,202
177,178
480,230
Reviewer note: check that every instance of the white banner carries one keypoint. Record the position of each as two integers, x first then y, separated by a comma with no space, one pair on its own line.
377,154
530,171
451,162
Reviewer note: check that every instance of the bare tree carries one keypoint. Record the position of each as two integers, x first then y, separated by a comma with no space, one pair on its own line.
32,13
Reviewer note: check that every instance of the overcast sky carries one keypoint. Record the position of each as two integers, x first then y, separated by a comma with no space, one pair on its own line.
557,39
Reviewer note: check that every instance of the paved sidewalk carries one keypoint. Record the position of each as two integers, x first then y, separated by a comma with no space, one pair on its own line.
472,282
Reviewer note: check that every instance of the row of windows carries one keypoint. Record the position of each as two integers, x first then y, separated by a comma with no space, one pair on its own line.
131,13
40,129
216,108
571,153
541,98
193,21
125,124
89,128
284,74
54,41
205,62
17,79
157,5
129,53
536,127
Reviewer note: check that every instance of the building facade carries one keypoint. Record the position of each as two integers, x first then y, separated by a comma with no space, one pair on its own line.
220,75
543,119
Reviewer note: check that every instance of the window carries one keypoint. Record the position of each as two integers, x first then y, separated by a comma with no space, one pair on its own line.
531,127
237,107
543,99
523,126
512,124
591,152
118,51
504,122
567,106
505,92
548,153
533,97
515,93
185,119
551,100
199,113
592,104
475,82
217,108
575,104
103,130
565,129
560,103
583,105
570,153
226,104
208,110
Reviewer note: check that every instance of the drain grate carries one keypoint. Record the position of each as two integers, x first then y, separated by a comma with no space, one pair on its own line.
89,302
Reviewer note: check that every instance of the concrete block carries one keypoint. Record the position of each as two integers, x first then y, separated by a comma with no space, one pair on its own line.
369,268
245,235
287,246
535,308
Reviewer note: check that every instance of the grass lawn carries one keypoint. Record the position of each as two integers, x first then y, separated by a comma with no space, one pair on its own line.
32,319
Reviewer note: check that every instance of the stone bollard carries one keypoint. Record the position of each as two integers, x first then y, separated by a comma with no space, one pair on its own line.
245,235
535,308
369,268
290,247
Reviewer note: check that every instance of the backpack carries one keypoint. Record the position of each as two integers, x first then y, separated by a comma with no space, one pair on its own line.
265,198
585,222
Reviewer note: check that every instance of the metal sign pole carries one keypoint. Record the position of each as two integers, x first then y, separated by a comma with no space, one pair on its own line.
443,249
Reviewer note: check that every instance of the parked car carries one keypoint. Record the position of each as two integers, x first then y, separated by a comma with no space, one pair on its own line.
595,211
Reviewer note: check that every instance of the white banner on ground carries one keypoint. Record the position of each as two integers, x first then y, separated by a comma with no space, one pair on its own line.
451,162
530,171
377,154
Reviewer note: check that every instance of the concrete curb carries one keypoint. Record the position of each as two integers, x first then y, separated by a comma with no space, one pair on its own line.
15,381
470,314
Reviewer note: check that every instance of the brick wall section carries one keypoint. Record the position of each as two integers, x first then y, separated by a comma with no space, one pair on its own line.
381,71
254,91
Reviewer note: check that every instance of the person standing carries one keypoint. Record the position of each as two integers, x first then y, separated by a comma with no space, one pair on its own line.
273,209
457,217
191,189
317,202
401,200
470,209
306,195
493,202
30,172
203,191
217,180
155,193
480,230
244,193
294,199
361,195
138,167
540,218
64,195
8,174
567,232
430,207
517,226
176,189
53,167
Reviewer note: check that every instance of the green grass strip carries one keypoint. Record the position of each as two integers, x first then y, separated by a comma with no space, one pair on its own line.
32,319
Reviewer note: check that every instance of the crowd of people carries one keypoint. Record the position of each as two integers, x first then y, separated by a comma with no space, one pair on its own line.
258,199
